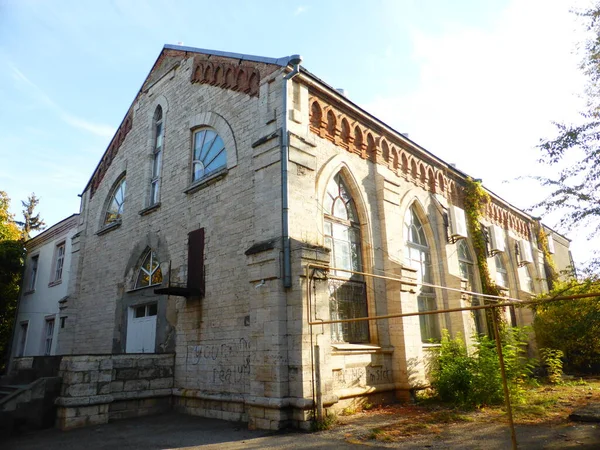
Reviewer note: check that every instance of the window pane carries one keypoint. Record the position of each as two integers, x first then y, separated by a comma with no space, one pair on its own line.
347,301
198,170
339,209
140,311
209,141
216,163
157,277
152,309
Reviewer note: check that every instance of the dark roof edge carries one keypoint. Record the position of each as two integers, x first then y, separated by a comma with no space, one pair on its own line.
48,231
283,61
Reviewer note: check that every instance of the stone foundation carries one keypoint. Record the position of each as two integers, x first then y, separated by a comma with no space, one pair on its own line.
99,388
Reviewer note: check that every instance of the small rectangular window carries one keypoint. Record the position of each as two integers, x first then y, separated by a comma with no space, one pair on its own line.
152,309
22,338
48,336
33,270
59,261
140,311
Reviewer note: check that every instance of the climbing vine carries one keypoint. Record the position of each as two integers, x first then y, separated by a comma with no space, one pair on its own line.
475,201
549,266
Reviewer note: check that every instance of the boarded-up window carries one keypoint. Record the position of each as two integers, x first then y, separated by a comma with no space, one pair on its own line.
196,261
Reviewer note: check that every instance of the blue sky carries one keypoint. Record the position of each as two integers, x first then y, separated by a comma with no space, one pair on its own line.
476,82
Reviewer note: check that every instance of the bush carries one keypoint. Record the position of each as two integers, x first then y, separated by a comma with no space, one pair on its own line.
552,363
572,326
475,380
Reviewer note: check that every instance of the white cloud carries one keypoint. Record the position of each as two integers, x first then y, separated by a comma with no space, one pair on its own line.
486,96
94,128
299,10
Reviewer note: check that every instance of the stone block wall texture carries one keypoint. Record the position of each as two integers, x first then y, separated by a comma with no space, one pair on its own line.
102,387
243,351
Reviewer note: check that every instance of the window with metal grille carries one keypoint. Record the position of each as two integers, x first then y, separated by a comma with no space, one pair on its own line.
418,256
348,297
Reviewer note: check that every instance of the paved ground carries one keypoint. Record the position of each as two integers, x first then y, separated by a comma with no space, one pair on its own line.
175,431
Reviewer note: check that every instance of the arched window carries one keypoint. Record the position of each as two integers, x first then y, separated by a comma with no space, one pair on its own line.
209,153
466,268
418,256
149,273
114,209
501,272
348,298
157,156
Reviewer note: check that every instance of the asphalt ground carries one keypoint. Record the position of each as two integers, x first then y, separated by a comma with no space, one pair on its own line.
177,431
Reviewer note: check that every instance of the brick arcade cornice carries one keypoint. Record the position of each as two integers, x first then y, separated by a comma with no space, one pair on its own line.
344,129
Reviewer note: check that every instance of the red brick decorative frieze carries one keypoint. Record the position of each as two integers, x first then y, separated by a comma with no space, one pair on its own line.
111,152
343,130
236,77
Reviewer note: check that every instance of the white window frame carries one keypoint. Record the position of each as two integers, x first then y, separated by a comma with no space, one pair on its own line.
48,338
33,272
158,130
59,262
195,162
417,254
501,272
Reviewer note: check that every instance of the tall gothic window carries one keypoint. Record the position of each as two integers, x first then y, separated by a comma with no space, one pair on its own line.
418,256
347,290
157,156
466,267
149,272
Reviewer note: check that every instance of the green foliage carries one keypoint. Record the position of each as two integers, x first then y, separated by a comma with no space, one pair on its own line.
8,228
575,149
31,222
552,362
12,255
475,380
572,326
549,265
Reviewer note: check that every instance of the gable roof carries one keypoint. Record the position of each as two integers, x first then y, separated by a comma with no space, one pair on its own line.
126,123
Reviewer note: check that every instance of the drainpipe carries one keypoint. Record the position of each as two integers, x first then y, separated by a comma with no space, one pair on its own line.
294,60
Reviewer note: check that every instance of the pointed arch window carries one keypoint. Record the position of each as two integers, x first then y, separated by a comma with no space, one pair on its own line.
466,267
149,273
418,256
348,298
114,209
209,153
157,156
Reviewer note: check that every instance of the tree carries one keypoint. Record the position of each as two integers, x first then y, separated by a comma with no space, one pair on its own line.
8,228
12,255
575,190
572,326
32,222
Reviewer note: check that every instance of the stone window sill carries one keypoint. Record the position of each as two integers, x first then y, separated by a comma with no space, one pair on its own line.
343,348
29,292
55,283
149,209
107,228
206,181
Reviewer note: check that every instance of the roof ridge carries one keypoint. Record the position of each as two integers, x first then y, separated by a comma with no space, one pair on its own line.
283,61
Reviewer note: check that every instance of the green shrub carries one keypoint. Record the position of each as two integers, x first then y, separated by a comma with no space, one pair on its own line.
552,362
572,326
476,380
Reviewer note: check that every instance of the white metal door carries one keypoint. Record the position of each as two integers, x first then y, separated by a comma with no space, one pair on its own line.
141,329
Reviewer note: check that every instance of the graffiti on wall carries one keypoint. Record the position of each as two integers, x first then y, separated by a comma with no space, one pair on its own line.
223,363
361,376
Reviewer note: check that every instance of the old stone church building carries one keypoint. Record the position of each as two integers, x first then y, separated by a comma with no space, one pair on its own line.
205,233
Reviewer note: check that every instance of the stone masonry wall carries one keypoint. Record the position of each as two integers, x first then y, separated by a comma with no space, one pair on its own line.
98,388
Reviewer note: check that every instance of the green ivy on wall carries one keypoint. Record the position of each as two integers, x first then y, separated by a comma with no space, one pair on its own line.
474,202
549,266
